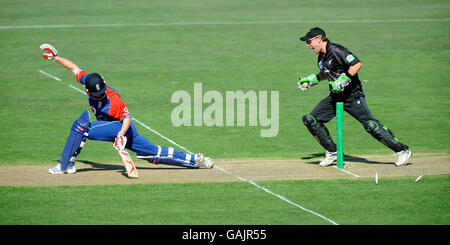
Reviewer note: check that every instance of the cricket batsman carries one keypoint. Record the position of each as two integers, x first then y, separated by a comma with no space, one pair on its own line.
340,67
114,124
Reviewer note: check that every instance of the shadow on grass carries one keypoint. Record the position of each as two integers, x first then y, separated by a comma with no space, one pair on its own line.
347,158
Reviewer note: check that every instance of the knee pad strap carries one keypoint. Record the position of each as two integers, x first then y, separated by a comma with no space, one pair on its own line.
309,120
384,135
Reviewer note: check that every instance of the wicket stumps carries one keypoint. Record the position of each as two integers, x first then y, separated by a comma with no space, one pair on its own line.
339,129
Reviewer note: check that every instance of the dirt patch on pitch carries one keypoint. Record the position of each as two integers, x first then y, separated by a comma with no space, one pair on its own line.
227,170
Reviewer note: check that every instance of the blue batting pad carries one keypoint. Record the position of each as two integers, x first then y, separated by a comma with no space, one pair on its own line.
75,141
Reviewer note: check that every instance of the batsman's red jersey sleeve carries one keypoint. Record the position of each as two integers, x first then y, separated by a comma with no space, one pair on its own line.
117,108
79,75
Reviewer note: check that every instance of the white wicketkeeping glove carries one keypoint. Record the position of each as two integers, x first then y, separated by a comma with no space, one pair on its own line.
120,142
51,51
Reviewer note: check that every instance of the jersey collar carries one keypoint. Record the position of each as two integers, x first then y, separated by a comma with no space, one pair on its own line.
327,48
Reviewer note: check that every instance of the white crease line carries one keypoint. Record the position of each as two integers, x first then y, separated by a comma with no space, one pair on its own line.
50,75
223,23
162,136
343,170
279,196
77,89
290,202
223,170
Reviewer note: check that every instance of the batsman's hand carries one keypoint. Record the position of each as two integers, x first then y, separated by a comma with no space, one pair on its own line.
120,142
339,85
50,52
304,83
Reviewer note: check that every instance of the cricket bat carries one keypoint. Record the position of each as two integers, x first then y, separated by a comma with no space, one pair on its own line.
129,165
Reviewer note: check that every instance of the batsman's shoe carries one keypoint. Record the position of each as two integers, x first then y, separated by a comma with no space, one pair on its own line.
71,169
403,157
330,157
57,170
198,158
202,161
207,163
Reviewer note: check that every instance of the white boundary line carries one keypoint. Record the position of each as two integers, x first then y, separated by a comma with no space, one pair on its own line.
248,181
223,23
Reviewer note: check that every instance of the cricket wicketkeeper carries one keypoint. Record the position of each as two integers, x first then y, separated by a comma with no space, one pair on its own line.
114,121
340,67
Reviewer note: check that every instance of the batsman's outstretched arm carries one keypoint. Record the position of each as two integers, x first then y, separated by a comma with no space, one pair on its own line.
69,65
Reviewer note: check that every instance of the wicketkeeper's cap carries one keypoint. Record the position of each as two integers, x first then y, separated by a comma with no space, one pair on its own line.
95,84
313,32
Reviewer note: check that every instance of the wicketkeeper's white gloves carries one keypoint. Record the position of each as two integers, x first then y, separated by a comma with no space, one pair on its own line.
120,142
51,51
304,83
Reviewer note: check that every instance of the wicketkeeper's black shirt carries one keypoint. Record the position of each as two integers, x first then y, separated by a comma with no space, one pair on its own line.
336,61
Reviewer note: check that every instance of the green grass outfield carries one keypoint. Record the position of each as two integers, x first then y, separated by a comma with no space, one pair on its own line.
346,202
227,46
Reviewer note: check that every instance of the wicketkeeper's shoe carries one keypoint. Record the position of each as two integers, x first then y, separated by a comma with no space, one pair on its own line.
330,157
57,170
403,157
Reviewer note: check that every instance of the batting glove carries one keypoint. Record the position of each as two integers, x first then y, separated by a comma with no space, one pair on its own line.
342,81
51,51
120,142
304,83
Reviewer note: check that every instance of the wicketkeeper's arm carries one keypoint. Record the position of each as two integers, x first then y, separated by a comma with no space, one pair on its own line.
345,78
320,76
304,83
352,70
